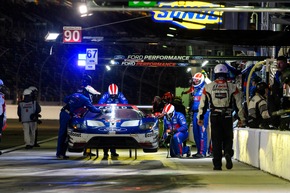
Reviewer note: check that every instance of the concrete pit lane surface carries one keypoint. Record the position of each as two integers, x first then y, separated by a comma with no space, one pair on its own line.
38,170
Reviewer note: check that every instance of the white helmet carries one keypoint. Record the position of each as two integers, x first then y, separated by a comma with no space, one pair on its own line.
1,83
220,68
27,92
33,88
168,111
91,90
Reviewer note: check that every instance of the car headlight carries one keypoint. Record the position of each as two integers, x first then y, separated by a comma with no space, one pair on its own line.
94,123
147,126
76,126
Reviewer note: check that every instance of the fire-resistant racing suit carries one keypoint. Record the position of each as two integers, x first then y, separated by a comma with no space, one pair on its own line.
199,132
107,99
2,114
177,126
73,103
220,95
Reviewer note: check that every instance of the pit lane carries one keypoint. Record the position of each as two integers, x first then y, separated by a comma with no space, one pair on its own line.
38,170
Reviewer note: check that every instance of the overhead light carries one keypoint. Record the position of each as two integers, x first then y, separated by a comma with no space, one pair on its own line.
83,9
188,70
108,67
51,36
170,35
81,63
172,28
204,63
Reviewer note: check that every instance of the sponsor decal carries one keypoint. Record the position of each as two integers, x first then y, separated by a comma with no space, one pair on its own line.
75,134
155,60
119,57
149,134
158,57
182,64
189,20
128,63
160,64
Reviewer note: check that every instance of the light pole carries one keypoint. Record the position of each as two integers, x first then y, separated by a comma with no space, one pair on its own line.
140,87
61,79
159,79
17,73
40,76
123,75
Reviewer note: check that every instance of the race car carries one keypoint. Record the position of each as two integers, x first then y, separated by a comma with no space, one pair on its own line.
117,126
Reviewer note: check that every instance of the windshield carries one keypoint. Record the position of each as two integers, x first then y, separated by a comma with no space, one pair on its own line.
116,114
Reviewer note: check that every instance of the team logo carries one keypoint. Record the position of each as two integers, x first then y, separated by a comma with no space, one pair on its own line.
189,20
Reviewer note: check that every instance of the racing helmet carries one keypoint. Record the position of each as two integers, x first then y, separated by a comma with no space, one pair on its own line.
220,71
261,88
113,90
27,92
33,88
197,79
167,97
87,80
220,68
169,111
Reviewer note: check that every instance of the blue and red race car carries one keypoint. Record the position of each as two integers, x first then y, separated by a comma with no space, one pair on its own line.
118,126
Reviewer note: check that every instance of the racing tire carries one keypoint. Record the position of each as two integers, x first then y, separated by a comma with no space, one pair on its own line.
75,150
150,150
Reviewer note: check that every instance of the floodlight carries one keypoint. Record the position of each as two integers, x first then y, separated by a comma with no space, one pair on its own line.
108,67
204,63
83,9
81,63
51,36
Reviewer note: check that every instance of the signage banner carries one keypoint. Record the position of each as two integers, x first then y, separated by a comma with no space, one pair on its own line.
189,20
72,34
91,58
152,60
142,3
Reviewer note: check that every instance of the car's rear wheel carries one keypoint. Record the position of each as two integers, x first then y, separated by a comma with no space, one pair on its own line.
75,150
150,150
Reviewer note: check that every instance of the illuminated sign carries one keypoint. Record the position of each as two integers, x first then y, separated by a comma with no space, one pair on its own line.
189,20
72,34
91,58
142,3
154,60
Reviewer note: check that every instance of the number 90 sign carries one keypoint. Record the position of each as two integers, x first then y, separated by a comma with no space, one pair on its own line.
72,34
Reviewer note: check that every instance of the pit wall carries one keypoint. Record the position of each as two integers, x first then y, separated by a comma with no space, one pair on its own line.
268,150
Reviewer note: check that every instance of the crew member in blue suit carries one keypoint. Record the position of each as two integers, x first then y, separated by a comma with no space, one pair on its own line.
175,125
199,132
73,103
113,96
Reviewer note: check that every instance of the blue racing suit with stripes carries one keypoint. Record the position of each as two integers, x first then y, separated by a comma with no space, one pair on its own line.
73,103
199,132
107,99
178,127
